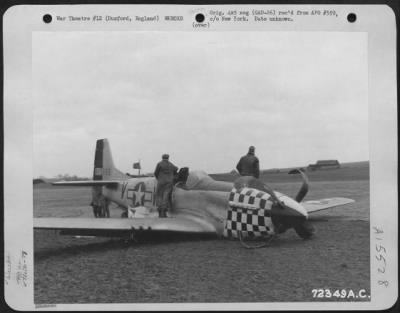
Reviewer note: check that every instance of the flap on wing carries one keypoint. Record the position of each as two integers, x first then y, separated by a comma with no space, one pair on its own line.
322,204
80,183
125,224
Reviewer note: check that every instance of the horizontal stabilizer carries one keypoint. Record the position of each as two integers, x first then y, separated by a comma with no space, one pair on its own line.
80,183
322,204
123,224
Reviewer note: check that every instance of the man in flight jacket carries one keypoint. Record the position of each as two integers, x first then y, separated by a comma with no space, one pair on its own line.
164,172
249,165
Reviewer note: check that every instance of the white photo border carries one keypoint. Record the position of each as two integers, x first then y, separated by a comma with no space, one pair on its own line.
378,21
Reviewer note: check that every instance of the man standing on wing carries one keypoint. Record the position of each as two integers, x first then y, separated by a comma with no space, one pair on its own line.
164,172
249,165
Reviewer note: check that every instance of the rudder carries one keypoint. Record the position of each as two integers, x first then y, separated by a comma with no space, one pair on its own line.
104,168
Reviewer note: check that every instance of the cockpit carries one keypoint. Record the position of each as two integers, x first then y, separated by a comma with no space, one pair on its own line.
199,180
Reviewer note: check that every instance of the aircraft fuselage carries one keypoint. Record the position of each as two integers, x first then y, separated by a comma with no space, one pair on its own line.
217,207
134,192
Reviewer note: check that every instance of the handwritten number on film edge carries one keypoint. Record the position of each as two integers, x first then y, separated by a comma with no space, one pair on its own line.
380,255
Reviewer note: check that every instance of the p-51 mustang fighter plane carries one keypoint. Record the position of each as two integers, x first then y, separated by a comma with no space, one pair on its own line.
247,208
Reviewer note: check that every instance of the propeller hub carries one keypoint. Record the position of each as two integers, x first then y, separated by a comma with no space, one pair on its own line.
287,213
290,207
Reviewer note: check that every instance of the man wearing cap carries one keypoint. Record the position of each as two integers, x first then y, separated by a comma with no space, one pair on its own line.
164,173
249,165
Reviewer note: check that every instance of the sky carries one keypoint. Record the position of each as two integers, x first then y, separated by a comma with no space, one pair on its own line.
202,97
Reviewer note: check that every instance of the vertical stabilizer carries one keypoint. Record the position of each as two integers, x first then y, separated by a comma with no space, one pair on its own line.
104,168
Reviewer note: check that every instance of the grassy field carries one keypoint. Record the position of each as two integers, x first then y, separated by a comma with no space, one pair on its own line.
181,268
348,171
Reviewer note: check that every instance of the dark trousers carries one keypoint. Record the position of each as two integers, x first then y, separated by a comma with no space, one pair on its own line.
164,190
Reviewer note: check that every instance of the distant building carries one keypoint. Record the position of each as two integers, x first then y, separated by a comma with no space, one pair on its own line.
324,164
38,181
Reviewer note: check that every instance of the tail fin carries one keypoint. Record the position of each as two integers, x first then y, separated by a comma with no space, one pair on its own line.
104,168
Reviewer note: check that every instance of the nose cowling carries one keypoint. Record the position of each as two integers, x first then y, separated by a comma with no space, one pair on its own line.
284,212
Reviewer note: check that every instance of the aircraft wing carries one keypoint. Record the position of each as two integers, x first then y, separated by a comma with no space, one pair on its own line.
322,204
120,225
80,183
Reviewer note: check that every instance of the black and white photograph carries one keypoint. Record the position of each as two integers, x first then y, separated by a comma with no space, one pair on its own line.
224,166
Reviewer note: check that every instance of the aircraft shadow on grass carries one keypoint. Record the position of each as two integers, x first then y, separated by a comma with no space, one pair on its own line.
141,239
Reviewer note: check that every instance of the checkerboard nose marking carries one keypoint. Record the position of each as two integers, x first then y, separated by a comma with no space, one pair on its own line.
249,213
